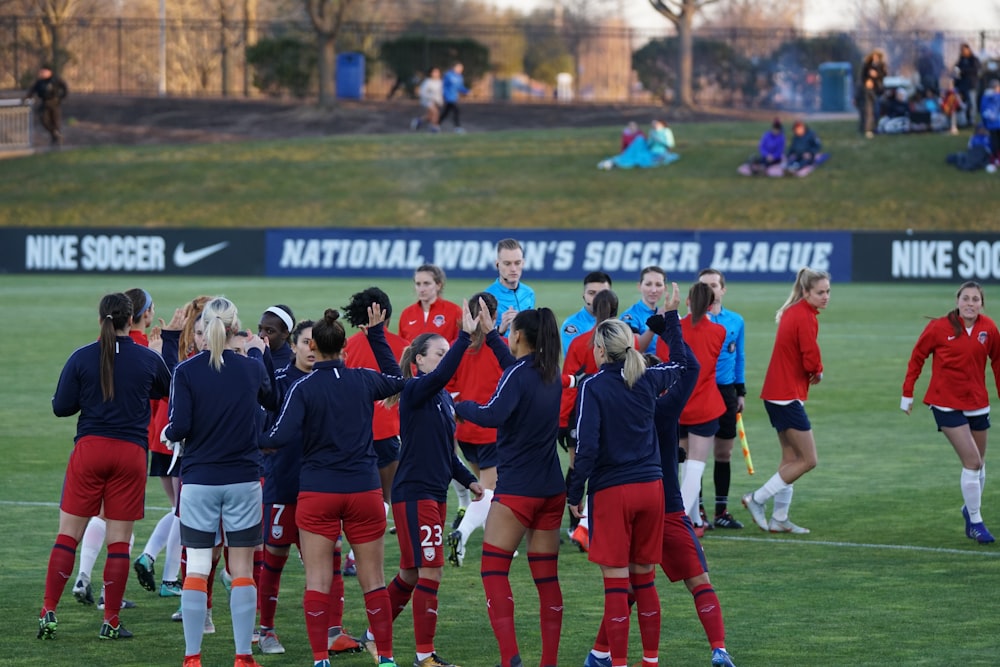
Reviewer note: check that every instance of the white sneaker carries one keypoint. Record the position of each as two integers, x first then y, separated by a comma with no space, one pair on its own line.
786,526
209,625
82,590
269,644
605,165
757,511
459,130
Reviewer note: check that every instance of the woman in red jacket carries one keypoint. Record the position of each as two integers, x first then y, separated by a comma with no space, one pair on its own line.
960,341
795,365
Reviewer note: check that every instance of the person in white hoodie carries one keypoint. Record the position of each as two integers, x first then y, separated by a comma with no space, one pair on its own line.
431,99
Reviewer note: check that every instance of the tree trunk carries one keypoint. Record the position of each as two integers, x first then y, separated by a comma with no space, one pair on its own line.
685,60
327,69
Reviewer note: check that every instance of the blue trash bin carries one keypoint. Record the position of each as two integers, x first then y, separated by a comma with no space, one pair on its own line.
350,76
835,86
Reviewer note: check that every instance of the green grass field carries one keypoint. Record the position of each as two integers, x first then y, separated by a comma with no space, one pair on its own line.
886,576
530,179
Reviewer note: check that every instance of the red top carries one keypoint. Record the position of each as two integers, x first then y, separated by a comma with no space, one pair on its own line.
358,354
158,411
476,380
957,377
444,317
580,354
705,340
628,137
795,355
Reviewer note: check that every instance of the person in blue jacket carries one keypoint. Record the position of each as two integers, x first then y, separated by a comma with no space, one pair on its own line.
109,383
427,464
330,413
989,110
511,294
214,400
453,87
770,151
584,320
530,492
618,458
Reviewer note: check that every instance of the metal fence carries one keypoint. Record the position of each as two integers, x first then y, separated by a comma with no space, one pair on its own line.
15,125
207,58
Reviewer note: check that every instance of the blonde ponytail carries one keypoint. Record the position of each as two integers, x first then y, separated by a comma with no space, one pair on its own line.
220,319
805,280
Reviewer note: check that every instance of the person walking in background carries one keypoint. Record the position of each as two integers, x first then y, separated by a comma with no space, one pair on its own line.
870,89
453,88
795,365
431,101
511,294
966,76
50,90
960,342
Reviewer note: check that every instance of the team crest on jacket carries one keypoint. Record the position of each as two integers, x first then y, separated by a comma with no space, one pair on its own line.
429,554
277,532
439,321
982,338
570,329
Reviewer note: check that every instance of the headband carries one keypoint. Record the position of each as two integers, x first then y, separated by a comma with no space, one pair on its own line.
283,316
146,306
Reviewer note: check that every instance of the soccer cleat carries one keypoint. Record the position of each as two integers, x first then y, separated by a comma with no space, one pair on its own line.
727,520
178,615
965,515
386,662
979,533
786,526
269,644
593,661
145,572
321,663
192,660
227,581
582,538
126,604
169,589
433,660
344,643
255,638
757,511
456,554
84,594
457,521
109,631
350,568
699,530
705,523
209,627
245,661
47,625
721,658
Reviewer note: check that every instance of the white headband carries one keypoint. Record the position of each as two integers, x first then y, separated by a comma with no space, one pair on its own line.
283,316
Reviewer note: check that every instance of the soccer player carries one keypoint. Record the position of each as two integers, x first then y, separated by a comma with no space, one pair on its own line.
330,412
427,464
584,320
730,377
214,399
961,342
431,313
110,383
511,294
276,325
795,365
652,284
530,491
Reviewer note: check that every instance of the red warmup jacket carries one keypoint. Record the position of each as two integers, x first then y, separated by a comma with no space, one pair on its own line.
706,340
444,318
475,380
358,354
957,380
158,411
795,355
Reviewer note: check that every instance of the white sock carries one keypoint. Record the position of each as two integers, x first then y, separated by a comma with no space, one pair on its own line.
782,501
160,535
585,519
421,656
771,487
464,497
475,515
600,654
172,560
972,493
982,476
385,506
690,486
91,545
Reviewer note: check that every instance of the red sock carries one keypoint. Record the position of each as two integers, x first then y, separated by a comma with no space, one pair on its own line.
270,583
616,613
399,595
116,569
335,613
379,609
425,609
601,642
545,572
211,578
314,603
495,571
61,561
647,605
258,566
706,603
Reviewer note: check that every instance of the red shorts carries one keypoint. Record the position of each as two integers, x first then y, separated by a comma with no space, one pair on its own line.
682,556
535,513
626,524
362,515
280,529
420,529
105,471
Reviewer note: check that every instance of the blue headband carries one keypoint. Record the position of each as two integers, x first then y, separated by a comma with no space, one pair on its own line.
147,306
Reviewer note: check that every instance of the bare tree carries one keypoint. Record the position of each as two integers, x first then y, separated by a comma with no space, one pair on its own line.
681,13
756,14
891,16
327,16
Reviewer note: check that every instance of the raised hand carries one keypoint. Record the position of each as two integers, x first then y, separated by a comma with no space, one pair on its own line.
375,315
469,323
673,299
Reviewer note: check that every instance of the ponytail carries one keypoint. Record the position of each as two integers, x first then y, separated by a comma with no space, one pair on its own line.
605,305
618,343
700,299
541,331
192,313
221,321
478,337
116,313
805,279
328,334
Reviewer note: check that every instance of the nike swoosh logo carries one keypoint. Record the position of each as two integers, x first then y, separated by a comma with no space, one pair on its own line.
184,258
412,322
951,338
